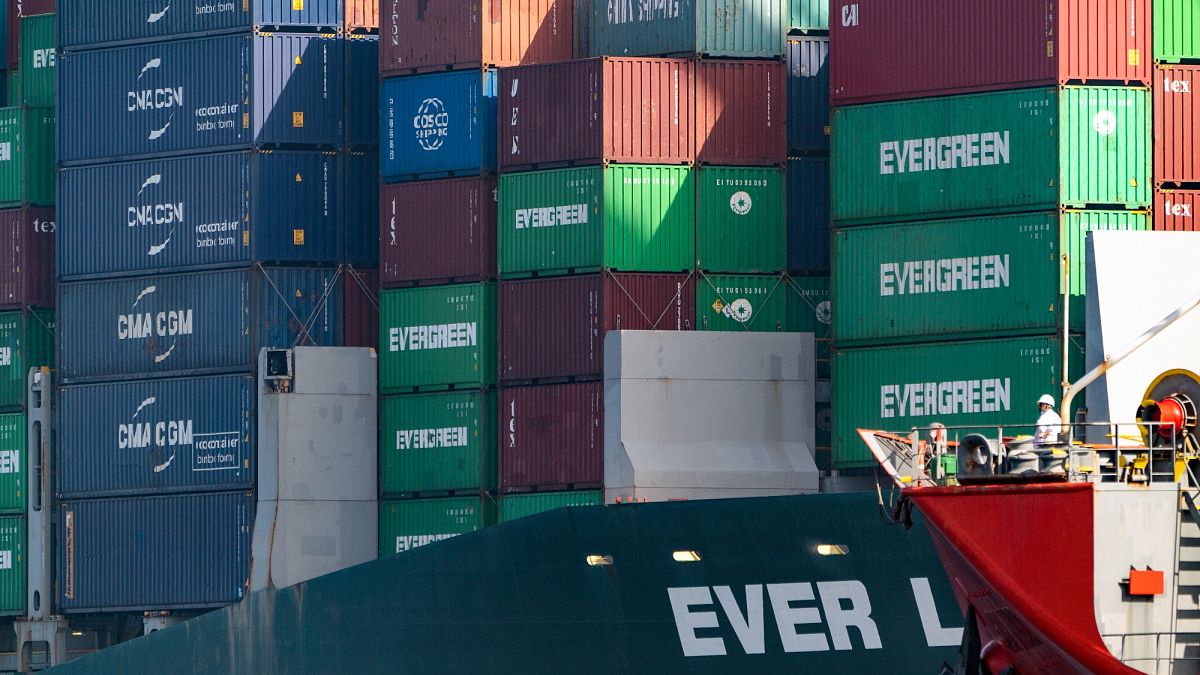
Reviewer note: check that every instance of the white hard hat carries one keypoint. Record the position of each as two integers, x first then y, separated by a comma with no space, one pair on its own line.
1047,399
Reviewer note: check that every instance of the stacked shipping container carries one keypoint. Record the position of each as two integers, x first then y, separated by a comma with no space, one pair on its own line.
962,197
213,203
1176,98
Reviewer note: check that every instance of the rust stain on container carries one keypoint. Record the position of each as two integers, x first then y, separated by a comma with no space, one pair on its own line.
439,231
1176,210
1176,125
741,109
552,437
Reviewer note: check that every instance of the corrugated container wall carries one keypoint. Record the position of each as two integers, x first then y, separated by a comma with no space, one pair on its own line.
747,302
14,11
360,208
360,308
733,28
422,35
623,217
200,211
27,258
515,506
192,322
808,225
741,112
15,568
597,110
935,49
362,90
552,437
229,92
982,382
438,231
1176,210
809,310
87,25
1034,149
806,15
38,59
438,125
27,168
157,436
1176,30
14,451
437,443
360,15
740,224
1177,124
411,523
26,341
553,329
438,337
104,546
971,277
808,94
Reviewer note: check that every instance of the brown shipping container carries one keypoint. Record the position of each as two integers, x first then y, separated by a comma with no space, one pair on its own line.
552,437
1176,210
27,258
553,329
887,50
360,308
16,10
741,110
1176,125
628,110
362,15
420,35
437,231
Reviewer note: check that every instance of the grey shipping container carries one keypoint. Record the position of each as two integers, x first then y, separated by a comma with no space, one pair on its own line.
156,436
153,553
808,94
228,92
86,25
808,225
204,211
192,322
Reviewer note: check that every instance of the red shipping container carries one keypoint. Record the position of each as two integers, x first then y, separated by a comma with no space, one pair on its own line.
16,10
1176,125
437,231
1176,210
360,308
631,110
887,50
361,15
553,328
421,35
552,437
741,112
27,258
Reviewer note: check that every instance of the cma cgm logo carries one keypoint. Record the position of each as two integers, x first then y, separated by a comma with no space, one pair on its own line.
154,213
143,98
147,325
431,124
141,433
850,15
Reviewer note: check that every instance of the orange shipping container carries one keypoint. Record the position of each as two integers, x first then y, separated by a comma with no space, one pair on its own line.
362,15
1176,210
740,112
1176,125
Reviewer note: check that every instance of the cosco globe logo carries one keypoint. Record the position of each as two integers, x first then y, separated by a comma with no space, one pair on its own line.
432,124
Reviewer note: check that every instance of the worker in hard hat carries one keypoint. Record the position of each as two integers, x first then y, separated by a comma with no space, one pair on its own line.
1048,423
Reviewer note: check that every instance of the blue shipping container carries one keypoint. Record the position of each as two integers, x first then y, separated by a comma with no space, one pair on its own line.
438,125
152,553
156,436
808,94
231,92
361,195
192,322
221,210
87,24
362,91
808,222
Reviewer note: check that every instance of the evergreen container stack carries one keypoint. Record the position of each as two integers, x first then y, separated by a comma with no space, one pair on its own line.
439,403
213,202
966,176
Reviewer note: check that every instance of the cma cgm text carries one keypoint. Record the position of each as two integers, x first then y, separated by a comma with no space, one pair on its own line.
944,152
147,324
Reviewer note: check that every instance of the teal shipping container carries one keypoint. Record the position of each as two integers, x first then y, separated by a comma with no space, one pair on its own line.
731,28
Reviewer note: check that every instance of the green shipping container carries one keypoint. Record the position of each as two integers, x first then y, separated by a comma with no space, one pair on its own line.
437,337
968,277
624,217
808,15
13,86
809,311
982,382
409,523
437,443
26,341
531,503
1023,150
1176,30
38,60
740,220
736,28
26,156
14,451
744,302
13,565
